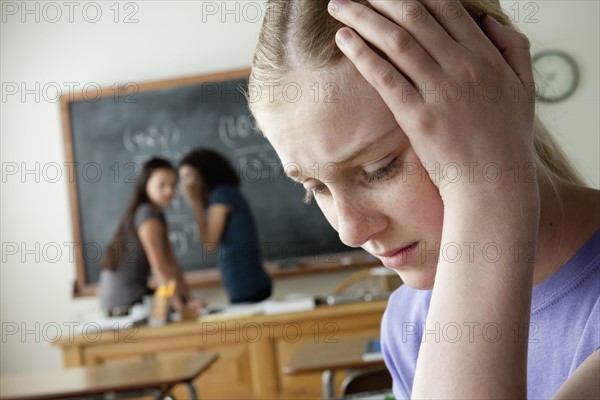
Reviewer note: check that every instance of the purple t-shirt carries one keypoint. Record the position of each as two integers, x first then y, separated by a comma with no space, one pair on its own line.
564,330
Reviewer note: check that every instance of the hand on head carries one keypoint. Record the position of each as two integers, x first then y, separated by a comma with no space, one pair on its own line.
193,191
192,186
461,93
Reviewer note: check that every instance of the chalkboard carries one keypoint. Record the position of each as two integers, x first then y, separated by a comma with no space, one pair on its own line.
109,137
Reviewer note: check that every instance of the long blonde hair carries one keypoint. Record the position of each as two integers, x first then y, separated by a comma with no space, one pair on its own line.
301,33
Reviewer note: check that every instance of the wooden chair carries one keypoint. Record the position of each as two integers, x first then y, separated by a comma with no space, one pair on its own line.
366,281
367,380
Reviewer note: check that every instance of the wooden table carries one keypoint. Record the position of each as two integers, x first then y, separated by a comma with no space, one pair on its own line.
155,376
329,357
252,349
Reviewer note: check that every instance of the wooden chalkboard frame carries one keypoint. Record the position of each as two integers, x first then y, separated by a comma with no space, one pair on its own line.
207,278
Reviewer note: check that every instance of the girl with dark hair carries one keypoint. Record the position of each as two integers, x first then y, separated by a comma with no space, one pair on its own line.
225,222
141,246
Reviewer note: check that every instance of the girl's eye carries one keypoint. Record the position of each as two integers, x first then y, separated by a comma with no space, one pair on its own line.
312,192
383,173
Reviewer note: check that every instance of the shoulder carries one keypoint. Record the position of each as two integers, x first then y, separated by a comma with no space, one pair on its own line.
145,212
224,194
576,284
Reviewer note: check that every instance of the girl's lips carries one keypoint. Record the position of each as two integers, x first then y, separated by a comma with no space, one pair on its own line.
397,258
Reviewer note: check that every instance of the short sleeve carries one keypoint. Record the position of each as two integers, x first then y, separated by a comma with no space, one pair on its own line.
223,195
144,213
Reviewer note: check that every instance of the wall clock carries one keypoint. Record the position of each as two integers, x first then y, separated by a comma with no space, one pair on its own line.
557,75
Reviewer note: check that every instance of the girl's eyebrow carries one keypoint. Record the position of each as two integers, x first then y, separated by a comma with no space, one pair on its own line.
295,174
363,146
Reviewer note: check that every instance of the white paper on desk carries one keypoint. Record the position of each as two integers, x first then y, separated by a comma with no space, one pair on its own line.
139,313
289,304
227,310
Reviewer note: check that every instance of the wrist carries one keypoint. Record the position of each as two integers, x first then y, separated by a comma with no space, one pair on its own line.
502,203
491,182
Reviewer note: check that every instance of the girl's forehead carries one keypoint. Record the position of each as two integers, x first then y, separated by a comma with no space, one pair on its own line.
163,173
313,130
186,170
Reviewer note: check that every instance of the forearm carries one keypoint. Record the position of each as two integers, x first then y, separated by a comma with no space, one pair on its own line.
201,223
169,273
486,259
166,271
208,238
161,273
182,287
182,291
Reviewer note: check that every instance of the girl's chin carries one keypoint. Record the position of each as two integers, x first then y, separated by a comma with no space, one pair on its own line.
417,279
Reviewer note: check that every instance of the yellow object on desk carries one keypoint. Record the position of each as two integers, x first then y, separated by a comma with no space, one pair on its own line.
167,290
160,305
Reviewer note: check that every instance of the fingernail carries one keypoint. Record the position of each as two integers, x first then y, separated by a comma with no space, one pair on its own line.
343,36
335,5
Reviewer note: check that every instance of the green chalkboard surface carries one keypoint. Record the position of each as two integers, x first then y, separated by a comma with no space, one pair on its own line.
109,137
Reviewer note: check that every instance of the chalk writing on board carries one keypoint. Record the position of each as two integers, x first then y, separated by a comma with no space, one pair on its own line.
152,138
183,231
154,141
252,161
183,234
234,129
257,163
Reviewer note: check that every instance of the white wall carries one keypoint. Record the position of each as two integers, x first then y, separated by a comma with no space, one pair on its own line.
571,26
170,40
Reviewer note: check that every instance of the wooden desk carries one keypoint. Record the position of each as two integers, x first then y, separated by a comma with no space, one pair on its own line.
157,376
252,349
329,357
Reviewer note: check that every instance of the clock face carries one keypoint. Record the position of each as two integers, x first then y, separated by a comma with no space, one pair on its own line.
557,75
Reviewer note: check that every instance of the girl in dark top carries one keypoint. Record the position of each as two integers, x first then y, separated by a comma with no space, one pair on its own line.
141,246
210,184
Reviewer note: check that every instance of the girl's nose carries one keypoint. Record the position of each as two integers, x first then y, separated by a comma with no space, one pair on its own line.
357,221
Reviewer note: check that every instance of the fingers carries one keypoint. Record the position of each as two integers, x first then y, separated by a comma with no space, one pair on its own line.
419,22
455,20
395,41
395,89
514,47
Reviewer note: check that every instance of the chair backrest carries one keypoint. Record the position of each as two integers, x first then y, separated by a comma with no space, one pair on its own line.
367,380
363,277
370,280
